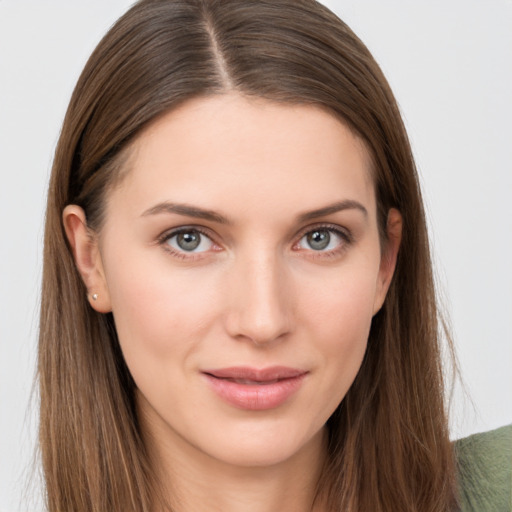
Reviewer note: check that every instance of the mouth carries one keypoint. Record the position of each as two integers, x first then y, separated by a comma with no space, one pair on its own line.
255,389
248,382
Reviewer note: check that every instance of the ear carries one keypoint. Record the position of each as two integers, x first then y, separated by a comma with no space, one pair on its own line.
388,257
84,245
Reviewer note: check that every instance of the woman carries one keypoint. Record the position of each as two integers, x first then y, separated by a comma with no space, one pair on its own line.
236,235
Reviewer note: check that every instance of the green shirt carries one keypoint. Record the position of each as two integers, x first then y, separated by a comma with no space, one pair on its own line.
485,471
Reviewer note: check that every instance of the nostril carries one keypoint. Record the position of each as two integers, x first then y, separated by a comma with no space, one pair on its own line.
260,327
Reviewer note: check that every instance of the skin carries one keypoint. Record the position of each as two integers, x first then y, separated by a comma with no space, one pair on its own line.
254,293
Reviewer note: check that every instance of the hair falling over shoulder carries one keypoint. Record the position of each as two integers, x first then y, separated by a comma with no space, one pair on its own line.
388,440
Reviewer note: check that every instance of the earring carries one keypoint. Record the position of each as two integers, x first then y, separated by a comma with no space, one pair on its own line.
94,296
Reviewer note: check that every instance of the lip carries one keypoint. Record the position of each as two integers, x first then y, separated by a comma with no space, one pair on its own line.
255,389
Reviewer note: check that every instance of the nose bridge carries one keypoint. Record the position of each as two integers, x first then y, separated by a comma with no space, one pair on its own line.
260,302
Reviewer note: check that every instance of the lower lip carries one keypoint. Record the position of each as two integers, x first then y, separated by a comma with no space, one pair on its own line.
255,397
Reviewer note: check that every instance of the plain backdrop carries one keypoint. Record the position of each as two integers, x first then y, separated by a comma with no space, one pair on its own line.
450,65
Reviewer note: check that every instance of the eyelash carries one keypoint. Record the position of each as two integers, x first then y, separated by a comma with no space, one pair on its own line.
188,256
345,236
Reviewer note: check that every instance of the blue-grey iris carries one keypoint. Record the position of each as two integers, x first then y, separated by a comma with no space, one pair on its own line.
319,240
189,240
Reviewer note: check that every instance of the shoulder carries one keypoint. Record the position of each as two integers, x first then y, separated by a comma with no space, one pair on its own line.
484,464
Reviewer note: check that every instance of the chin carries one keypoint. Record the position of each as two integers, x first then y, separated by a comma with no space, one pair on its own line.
264,447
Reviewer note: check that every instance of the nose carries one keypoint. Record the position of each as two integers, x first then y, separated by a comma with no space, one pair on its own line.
260,300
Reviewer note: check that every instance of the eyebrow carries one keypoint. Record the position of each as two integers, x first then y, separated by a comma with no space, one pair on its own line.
186,210
212,216
348,204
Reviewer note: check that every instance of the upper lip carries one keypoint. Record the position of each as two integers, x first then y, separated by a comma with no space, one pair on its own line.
255,374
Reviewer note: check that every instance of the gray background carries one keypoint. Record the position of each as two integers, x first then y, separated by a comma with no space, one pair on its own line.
450,66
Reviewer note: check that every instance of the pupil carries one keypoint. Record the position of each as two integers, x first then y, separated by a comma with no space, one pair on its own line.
319,240
188,241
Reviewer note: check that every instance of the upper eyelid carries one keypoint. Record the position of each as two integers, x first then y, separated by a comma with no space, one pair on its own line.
169,233
328,227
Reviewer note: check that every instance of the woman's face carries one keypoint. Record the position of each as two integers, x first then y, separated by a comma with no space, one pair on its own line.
241,260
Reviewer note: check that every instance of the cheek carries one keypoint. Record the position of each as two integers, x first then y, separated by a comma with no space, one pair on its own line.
339,315
159,314
343,323
342,302
162,319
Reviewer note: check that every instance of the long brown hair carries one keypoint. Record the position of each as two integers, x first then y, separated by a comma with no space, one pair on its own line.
388,440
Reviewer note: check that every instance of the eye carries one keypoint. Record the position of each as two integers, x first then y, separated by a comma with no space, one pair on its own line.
322,240
189,240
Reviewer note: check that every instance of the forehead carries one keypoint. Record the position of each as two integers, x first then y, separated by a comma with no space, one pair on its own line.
237,152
